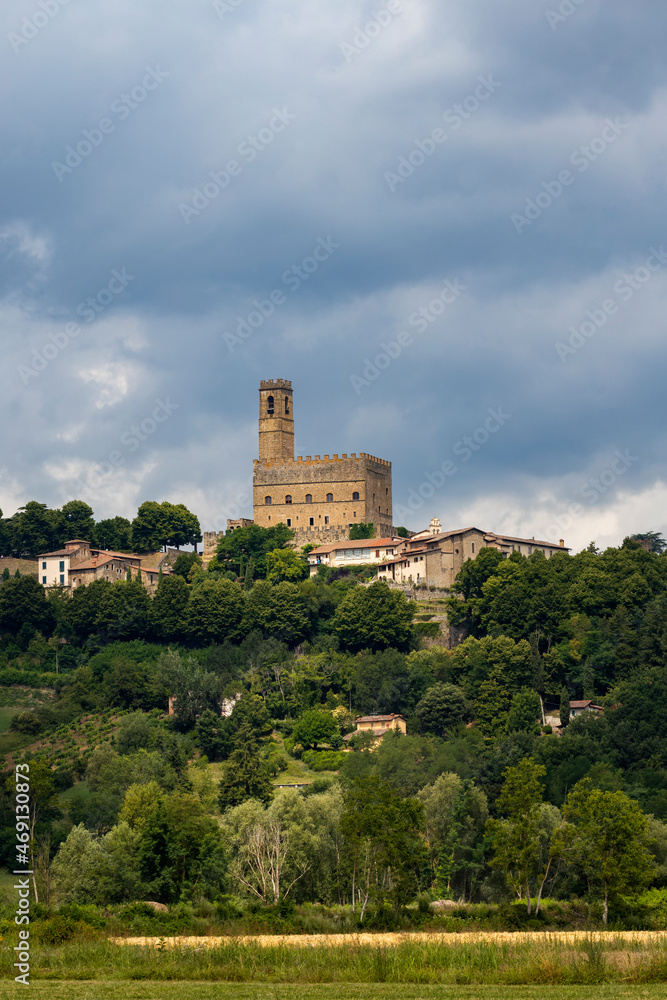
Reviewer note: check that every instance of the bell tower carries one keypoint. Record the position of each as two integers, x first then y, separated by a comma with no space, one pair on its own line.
276,420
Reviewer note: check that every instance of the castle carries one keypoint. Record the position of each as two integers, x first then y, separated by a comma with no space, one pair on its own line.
322,497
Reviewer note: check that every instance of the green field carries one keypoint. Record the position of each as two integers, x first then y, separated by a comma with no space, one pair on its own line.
376,991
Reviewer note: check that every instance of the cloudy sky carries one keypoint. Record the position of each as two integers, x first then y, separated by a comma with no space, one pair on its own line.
443,220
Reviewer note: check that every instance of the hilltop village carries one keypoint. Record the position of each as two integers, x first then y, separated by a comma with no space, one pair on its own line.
384,718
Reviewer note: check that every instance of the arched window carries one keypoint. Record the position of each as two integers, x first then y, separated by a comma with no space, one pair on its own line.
286,404
268,501
355,496
288,498
309,497
269,404
329,497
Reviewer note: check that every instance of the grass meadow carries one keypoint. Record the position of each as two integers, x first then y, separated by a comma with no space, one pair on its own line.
486,965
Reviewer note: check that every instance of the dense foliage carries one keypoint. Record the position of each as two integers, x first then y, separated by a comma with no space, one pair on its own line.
266,671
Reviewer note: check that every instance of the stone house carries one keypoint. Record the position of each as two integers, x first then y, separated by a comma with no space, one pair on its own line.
78,565
379,726
368,551
435,557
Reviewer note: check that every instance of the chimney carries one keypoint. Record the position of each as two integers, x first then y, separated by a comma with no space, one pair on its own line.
561,542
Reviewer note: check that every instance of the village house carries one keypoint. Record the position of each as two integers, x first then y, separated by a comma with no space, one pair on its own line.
362,552
78,565
379,726
576,708
434,557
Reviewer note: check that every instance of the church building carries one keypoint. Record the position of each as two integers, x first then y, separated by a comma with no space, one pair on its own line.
320,497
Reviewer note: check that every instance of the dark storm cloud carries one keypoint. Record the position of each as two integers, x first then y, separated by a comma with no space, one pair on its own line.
206,150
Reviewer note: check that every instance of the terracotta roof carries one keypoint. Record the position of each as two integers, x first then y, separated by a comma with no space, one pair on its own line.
526,541
585,704
360,543
378,718
58,552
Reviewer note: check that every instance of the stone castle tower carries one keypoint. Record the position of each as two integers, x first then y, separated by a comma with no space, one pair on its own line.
320,497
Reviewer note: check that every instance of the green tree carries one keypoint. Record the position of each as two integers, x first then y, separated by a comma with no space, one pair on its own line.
383,833
609,838
33,530
285,564
245,775
277,611
564,710
214,612
160,524
653,539
442,709
183,564
76,867
516,838
241,543
114,533
374,617
23,601
169,607
524,712
362,530
314,727
76,520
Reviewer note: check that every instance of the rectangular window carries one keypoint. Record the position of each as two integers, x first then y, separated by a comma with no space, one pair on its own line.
289,522
326,518
62,565
311,521
473,546
44,580
62,579
377,553
43,565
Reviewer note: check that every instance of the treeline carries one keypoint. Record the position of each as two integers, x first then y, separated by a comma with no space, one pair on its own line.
36,528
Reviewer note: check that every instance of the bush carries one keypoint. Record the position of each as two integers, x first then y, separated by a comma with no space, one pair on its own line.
323,760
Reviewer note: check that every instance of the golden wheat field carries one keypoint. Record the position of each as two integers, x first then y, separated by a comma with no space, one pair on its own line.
384,940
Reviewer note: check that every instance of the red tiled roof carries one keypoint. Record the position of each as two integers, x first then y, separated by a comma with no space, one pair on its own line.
378,718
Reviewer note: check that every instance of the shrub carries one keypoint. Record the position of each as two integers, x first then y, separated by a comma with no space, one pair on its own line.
323,760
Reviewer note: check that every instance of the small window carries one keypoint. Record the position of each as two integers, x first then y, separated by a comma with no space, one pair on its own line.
268,501
44,580
62,565
289,522
43,565
288,499
326,519
473,546
309,497
355,496
329,497
62,579
354,513
377,553
270,405
311,521
286,404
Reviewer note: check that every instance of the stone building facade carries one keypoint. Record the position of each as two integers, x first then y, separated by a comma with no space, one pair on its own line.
319,497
